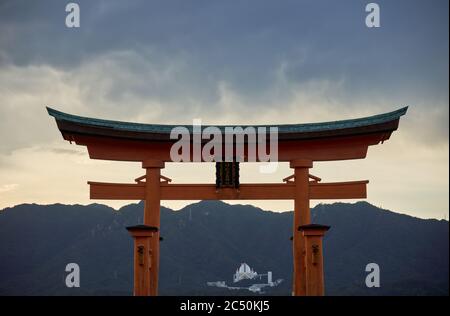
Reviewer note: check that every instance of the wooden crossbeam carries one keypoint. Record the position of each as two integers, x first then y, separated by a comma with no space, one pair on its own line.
249,191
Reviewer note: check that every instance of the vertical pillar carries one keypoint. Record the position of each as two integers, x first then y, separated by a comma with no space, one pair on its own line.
301,217
143,236
313,235
152,215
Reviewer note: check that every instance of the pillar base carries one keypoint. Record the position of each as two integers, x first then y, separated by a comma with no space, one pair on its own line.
144,255
313,235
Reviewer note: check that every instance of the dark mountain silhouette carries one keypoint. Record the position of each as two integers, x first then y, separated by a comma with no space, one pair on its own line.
207,241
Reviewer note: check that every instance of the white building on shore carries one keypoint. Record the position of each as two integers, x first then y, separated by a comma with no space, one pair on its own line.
244,272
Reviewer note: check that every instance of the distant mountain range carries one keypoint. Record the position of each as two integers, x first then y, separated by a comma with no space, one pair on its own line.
207,241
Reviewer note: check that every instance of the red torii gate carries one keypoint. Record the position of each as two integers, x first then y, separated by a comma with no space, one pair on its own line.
298,144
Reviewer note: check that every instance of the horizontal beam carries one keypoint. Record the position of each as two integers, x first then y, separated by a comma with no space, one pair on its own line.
249,191
341,148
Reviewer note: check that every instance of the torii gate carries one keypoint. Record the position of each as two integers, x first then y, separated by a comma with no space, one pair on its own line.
300,145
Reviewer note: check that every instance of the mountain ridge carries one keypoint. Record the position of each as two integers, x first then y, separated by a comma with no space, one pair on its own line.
218,201
207,240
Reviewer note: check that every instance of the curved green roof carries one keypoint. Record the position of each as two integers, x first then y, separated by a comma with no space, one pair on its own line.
284,128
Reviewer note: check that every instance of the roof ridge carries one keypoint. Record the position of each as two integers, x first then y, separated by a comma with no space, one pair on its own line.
286,128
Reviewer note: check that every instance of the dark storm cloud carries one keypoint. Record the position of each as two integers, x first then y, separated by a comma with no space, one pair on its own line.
246,44
241,42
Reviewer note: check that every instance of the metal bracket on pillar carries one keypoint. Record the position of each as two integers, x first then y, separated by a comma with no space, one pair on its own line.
291,178
314,178
162,178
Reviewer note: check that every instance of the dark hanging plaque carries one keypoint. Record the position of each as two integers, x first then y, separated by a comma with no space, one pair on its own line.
227,174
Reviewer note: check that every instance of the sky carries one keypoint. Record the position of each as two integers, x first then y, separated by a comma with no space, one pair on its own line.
226,62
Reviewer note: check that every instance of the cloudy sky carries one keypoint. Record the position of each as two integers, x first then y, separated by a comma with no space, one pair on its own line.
226,62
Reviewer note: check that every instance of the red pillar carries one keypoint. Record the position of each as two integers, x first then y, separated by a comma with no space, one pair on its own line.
152,215
301,217
143,253
313,235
